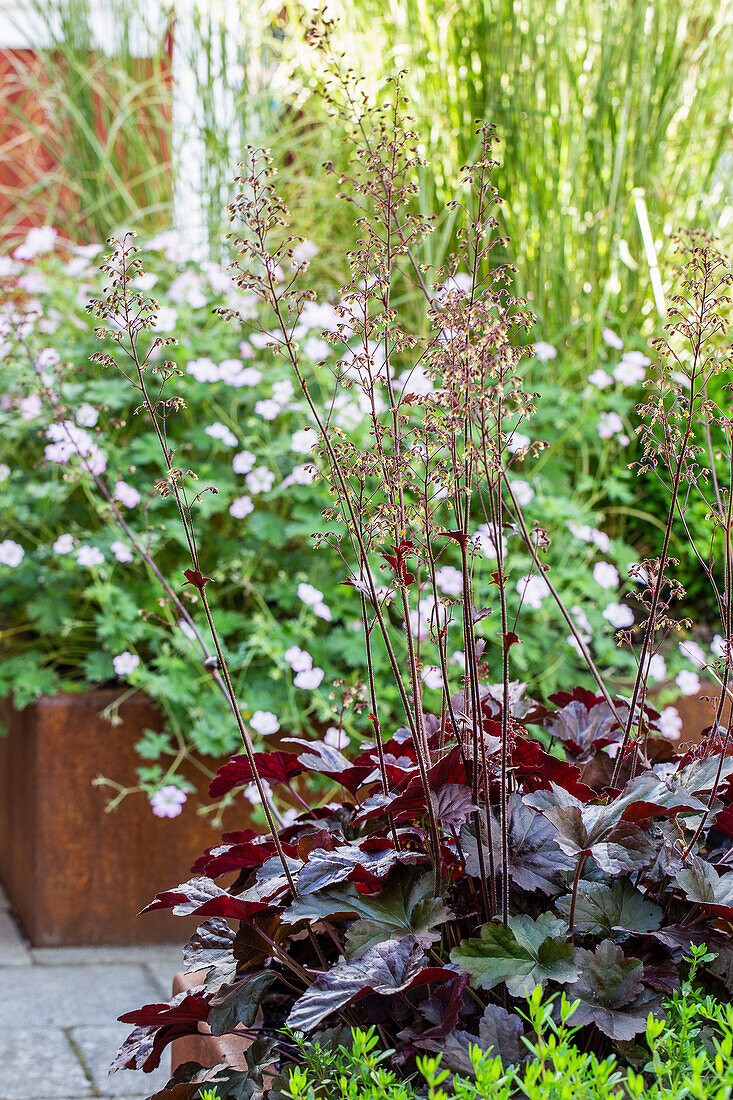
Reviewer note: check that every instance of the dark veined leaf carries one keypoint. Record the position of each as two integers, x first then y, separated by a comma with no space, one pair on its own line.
205,898
239,1003
611,993
405,906
237,856
394,966
275,767
210,945
438,1017
500,1035
324,868
319,757
261,1059
538,769
157,1025
584,728
536,861
525,954
702,884
619,907
615,845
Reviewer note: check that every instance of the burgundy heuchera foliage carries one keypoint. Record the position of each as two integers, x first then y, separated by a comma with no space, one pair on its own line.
383,928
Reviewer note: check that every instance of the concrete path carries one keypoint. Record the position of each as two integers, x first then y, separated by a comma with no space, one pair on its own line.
58,1012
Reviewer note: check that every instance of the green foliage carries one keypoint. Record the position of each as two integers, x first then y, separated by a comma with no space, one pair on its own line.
687,1054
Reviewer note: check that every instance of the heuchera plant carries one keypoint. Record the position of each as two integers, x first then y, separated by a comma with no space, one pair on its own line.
494,843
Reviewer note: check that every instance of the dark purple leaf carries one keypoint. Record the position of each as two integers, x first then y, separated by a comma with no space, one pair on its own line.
206,899
536,862
395,966
324,868
703,885
157,1025
239,1002
611,993
274,767
604,909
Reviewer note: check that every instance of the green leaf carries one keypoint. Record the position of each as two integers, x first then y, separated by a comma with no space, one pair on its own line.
527,953
607,909
405,906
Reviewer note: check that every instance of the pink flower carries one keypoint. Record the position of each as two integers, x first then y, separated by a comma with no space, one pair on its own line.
688,682
264,722
298,659
89,556
544,351
241,507
268,409
609,425
87,415
126,495
533,591
243,462
221,432
309,678
694,653
309,594
619,615
121,551
432,677
323,611
657,668
64,544
125,663
41,238
670,723
605,574
11,553
168,801
601,379
610,338
449,580
30,407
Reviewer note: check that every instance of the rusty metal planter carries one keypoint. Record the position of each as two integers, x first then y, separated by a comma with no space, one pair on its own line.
76,874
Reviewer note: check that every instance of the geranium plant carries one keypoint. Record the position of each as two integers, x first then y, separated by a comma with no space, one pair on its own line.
486,842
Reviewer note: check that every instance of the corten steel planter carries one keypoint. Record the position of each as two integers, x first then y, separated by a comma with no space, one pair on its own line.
206,1049
77,875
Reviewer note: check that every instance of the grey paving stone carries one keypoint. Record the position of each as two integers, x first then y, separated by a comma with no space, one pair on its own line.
39,1063
162,973
98,1046
13,948
88,956
67,996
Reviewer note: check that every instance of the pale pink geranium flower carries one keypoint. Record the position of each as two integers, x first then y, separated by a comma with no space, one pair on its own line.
544,351
309,594
11,553
688,682
264,722
693,652
87,415
718,645
336,738
449,580
41,238
609,425
126,494
657,668
203,370
309,678
268,408
260,480
670,723
523,491
221,432
89,556
432,677
517,443
125,663
243,462
629,373
619,615
168,801
64,544
323,611
533,590
241,507
30,407
298,659
121,551
610,338
4,471
303,441
600,378
605,574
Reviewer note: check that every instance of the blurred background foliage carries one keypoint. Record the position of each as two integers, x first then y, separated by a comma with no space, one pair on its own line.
614,123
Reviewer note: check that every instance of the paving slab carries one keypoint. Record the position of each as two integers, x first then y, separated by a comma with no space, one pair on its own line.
167,954
14,950
69,996
39,1063
98,1046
